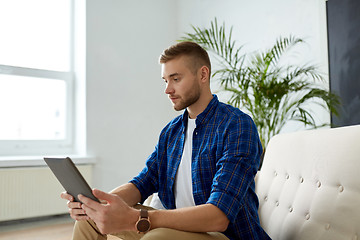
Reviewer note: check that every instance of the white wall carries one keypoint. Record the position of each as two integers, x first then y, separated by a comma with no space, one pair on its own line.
126,106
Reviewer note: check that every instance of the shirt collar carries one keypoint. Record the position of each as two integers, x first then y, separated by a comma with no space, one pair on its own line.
205,115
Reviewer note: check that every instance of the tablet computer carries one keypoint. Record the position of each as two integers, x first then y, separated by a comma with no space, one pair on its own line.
70,178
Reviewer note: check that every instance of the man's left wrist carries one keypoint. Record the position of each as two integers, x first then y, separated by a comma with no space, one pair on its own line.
143,223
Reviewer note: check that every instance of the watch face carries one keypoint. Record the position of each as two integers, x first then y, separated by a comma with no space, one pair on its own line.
143,225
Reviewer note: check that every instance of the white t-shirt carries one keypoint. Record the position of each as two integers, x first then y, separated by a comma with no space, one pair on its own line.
183,182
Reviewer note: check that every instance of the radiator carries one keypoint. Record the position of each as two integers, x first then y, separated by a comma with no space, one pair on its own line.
32,192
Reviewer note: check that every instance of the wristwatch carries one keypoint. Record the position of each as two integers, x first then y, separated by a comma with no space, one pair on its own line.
143,224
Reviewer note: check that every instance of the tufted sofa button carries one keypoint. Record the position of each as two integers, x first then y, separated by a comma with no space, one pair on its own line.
287,176
307,217
318,184
341,188
277,203
301,180
265,198
275,174
327,226
291,209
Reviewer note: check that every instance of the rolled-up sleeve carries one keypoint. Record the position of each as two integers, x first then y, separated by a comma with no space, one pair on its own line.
147,180
237,167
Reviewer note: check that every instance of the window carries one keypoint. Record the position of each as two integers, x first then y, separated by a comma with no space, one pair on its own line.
36,77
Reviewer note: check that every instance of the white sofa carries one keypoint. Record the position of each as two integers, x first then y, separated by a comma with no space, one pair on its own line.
309,185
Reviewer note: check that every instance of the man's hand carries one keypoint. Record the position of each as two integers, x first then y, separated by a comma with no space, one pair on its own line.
75,210
112,216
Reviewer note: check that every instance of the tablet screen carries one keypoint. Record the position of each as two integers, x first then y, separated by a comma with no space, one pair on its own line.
70,178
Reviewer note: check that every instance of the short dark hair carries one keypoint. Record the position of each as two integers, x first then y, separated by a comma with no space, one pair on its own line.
198,55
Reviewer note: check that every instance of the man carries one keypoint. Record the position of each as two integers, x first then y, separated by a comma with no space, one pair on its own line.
203,168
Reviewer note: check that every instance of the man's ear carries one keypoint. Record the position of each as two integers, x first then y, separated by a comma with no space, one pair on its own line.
204,74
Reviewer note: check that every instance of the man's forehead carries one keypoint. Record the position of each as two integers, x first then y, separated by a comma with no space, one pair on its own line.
175,66
170,75
169,70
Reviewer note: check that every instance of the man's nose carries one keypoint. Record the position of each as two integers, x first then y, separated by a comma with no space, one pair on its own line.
169,89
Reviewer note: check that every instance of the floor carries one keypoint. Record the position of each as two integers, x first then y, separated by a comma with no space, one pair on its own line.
54,228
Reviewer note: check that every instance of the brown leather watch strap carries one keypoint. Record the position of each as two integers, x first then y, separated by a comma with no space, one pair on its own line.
144,213
143,224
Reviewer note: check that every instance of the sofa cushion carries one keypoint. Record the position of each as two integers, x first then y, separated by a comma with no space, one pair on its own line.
309,185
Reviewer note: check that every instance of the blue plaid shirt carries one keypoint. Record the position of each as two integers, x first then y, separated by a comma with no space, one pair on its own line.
225,159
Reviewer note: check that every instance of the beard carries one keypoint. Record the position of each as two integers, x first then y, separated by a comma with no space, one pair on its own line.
186,102
188,98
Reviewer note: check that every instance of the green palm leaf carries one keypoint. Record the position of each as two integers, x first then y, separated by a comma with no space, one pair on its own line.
271,92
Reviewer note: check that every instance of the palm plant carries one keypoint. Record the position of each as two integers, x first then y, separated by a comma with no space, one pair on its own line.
271,92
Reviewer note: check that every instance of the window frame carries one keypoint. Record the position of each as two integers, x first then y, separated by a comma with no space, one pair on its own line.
48,147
